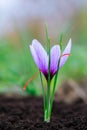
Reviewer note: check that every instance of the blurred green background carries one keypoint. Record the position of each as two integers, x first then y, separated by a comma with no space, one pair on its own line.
21,22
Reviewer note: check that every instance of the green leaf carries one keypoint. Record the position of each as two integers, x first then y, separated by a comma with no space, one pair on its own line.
48,41
61,37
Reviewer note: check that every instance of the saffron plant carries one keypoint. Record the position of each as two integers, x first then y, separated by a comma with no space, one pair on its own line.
49,64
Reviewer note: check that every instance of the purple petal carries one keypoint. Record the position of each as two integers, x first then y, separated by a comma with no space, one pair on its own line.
39,55
55,55
66,51
34,55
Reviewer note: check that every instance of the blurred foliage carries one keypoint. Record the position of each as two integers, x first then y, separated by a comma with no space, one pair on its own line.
17,65
76,66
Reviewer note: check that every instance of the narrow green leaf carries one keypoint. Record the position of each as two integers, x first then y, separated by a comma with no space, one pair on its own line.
48,82
48,40
61,37
44,101
54,86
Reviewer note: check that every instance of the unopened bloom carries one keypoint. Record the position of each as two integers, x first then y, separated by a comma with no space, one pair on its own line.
40,57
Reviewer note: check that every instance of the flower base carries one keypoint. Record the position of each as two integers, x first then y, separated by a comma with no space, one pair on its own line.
27,114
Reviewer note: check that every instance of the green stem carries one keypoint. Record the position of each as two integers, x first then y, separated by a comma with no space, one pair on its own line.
54,86
44,100
47,111
53,92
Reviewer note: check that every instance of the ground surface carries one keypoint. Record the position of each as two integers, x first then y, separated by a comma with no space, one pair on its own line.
27,114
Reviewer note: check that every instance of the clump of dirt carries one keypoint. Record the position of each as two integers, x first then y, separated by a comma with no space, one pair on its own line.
27,114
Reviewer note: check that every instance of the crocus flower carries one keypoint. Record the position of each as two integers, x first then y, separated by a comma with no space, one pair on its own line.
40,57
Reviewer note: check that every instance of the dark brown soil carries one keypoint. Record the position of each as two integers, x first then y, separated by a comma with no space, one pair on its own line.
27,114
